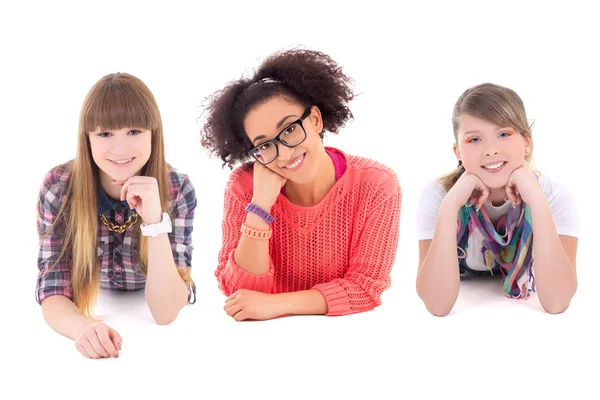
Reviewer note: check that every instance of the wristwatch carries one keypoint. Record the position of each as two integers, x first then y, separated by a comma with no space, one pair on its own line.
156,229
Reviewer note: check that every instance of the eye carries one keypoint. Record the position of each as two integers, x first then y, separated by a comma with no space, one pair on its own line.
105,134
134,132
265,146
505,134
474,139
290,129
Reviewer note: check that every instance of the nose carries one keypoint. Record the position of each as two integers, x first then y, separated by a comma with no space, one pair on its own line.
119,145
491,151
285,153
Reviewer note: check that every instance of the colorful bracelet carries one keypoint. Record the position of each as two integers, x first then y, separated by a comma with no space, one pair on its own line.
256,233
253,208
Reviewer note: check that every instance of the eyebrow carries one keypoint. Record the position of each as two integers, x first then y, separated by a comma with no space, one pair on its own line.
276,126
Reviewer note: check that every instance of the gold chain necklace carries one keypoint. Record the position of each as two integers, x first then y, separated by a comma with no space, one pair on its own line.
119,228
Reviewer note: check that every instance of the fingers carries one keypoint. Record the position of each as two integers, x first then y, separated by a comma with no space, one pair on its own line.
136,180
240,316
88,349
93,339
483,197
80,348
106,342
116,338
232,309
511,191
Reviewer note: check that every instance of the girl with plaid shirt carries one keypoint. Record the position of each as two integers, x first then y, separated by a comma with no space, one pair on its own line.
116,217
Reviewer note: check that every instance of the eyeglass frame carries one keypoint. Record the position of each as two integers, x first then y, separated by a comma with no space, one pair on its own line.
276,138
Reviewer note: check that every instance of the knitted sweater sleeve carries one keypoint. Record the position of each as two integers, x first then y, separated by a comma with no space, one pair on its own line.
232,277
371,261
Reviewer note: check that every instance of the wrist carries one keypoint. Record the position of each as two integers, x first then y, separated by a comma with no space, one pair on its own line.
536,198
450,205
262,204
81,327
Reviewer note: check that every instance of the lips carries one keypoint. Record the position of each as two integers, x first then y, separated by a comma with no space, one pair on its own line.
295,163
494,166
122,161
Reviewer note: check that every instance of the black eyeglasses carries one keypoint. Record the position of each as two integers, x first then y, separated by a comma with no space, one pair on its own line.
291,136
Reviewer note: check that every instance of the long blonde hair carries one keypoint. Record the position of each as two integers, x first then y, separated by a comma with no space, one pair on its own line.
116,101
496,104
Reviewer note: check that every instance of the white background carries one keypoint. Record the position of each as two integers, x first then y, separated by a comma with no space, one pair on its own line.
410,63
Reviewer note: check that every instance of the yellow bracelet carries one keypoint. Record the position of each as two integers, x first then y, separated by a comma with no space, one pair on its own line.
256,233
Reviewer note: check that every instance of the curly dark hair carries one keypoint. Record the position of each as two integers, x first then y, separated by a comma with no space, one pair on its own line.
307,77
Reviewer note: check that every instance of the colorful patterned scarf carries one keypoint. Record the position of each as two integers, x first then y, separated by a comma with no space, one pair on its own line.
509,249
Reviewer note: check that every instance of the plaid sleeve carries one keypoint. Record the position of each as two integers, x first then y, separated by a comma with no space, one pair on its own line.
52,279
184,208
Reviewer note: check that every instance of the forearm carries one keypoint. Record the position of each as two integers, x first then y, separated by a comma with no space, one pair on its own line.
555,277
166,292
305,302
61,314
438,279
252,255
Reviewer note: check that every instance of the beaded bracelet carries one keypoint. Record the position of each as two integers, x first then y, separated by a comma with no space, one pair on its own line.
256,233
253,208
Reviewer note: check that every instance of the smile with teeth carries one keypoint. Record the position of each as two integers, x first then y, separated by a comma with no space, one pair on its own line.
124,161
495,166
296,163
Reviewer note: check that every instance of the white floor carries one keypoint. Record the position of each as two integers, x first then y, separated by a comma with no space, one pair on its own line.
488,347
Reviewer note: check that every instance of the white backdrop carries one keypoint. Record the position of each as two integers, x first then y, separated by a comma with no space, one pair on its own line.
410,63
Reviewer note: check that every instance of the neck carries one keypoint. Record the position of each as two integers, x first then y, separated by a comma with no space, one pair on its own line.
311,193
498,196
112,191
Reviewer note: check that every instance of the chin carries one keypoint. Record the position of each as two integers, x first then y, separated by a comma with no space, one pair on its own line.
495,183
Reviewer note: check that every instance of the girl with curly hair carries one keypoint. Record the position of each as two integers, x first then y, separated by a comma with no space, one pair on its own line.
307,228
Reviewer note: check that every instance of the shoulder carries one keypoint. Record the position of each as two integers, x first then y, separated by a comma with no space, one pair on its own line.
241,181
553,188
56,180
563,205
181,188
179,180
428,207
432,192
372,173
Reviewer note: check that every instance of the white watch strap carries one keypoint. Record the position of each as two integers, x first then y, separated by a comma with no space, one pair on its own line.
154,230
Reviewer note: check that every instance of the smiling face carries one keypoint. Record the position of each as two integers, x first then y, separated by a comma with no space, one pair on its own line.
120,153
491,152
279,115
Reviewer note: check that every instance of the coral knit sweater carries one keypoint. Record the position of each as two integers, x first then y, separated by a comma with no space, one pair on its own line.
345,246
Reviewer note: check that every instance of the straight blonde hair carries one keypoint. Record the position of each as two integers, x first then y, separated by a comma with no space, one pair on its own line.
116,101
493,103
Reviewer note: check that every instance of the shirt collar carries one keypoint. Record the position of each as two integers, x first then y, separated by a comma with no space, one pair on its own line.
105,203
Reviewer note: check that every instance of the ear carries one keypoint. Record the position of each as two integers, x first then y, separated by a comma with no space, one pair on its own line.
456,151
316,119
528,144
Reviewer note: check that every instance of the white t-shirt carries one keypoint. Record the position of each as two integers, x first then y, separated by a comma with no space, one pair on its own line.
562,204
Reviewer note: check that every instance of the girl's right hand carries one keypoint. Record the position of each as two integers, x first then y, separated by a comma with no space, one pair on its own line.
267,186
99,340
468,188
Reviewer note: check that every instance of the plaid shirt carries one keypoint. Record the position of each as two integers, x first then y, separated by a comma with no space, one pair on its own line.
117,252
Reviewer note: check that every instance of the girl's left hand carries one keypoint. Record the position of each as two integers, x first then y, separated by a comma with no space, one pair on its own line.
249,304
141,193
522,182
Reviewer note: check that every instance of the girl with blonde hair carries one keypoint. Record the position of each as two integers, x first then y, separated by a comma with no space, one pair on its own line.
494,210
